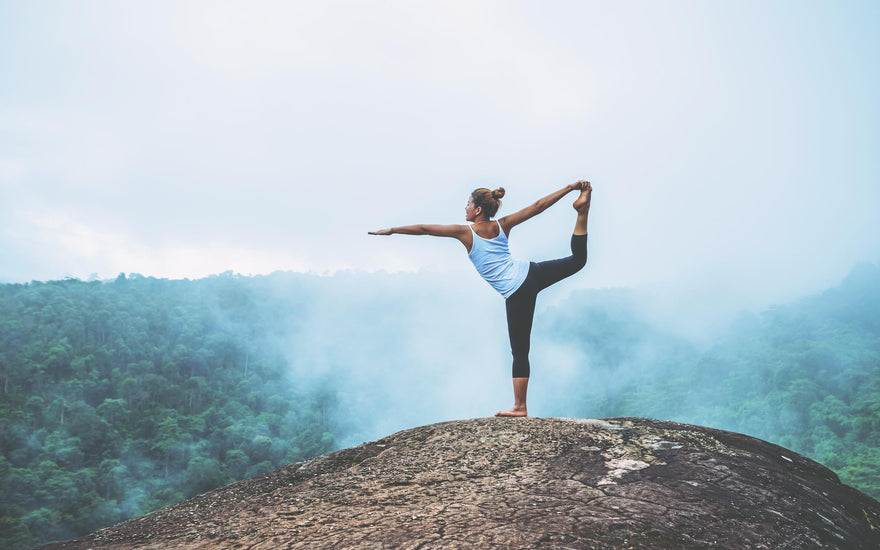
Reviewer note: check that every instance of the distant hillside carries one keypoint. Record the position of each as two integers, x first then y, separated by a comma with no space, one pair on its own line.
525,483
119,398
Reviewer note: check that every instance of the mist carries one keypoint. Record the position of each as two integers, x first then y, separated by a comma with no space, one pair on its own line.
398,350
401,350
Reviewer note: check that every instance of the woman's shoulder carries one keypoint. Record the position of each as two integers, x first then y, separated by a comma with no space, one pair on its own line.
487,230
505,225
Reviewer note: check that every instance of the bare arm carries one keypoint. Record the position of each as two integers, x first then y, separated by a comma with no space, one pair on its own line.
460,232
512,220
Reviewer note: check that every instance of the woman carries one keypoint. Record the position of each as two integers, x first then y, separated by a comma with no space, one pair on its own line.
519,282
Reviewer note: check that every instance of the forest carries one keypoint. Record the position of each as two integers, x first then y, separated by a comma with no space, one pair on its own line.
120,397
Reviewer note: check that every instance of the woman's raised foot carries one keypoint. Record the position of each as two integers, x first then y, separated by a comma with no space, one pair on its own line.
582,203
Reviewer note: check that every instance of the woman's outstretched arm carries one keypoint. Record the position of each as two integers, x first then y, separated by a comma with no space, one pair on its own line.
510,221
460,232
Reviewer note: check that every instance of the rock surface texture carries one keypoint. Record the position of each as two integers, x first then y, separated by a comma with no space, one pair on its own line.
525,483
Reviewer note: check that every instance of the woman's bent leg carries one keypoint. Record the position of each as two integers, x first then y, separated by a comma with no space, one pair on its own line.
552,271
582,205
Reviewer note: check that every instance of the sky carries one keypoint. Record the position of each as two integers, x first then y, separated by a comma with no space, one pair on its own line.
732,146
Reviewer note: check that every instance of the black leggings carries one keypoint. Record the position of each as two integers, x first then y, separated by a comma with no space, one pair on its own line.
521,304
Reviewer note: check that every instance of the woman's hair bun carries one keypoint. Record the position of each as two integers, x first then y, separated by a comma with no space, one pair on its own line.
498,193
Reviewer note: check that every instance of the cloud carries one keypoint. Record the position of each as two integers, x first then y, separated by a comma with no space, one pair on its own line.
276,134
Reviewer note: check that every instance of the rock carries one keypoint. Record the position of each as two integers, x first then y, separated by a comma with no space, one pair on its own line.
525,483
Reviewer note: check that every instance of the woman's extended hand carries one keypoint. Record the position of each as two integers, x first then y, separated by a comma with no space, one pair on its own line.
579,185
380,232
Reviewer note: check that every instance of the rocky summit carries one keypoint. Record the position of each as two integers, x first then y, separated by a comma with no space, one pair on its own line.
525,483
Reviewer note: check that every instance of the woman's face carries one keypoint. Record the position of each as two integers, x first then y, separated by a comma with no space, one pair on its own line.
470,213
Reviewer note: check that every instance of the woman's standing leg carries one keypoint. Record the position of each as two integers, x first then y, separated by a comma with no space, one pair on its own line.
520,312
521,304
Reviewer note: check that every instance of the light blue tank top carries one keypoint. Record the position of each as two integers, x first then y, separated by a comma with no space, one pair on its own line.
494,263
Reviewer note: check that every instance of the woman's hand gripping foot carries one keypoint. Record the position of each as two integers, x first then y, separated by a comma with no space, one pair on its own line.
582,204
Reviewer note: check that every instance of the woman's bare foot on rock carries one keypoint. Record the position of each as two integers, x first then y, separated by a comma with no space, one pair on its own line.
582,204
513,412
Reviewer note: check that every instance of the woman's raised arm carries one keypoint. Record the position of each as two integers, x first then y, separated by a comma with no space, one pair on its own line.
510,221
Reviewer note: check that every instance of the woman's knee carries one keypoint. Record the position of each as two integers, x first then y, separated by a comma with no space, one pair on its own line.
579,248
521,368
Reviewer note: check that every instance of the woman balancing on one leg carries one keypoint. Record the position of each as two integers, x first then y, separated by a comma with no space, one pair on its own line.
518,281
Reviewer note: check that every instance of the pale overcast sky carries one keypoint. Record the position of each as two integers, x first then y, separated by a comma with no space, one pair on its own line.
729,143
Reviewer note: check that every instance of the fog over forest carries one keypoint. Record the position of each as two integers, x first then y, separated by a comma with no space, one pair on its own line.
409,349
404,350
